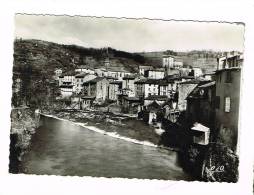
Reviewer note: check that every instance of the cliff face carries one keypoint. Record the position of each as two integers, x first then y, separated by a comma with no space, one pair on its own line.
24,121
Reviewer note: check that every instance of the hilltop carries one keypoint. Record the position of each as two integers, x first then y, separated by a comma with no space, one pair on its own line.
204,59
46,56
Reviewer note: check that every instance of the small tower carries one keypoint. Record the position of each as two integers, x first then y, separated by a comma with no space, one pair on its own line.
106,61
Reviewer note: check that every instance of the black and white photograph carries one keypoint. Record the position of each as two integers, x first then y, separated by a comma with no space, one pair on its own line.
126,98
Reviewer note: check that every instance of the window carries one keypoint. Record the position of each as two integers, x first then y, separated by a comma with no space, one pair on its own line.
227,104
228,78
217,102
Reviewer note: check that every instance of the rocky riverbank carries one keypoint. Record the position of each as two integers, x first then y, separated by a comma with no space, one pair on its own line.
24,121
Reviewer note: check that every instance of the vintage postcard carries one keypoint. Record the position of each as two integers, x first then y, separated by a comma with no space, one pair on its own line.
126,98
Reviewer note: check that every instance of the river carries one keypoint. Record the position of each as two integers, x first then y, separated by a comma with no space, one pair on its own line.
63,148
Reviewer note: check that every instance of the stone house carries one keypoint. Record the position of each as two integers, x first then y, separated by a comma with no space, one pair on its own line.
67,89
128,85
227,105
67,77
142,69
200,112
130,105
81,78
168,61
157,73
115,88
84,69
98,88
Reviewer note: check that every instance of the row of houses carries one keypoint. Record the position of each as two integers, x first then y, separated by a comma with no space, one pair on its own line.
213,108
209,101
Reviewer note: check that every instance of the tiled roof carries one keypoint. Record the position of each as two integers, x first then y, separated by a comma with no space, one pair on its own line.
83,67
66,86
157,97
195,81
228,69
110,77
141,81
116,82
199,92
153,106
80,75
68,73
88,97
95,80
128,77
157,69
145,67
136,99
207,85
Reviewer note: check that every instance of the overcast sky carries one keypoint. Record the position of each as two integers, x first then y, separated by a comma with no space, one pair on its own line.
130,34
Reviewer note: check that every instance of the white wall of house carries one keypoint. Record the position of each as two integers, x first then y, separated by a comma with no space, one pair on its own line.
151,89
163,90
58,72
154,74
142,69
66,91
178,64
113,91
129,84
168,61
168,89
67,78
85,70
102,89
197,72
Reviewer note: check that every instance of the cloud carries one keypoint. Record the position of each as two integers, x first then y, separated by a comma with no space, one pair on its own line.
130,34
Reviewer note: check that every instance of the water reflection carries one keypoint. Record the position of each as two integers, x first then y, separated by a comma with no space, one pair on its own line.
62,148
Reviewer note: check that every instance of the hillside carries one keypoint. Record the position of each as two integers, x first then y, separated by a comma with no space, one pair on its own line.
46,56
206,60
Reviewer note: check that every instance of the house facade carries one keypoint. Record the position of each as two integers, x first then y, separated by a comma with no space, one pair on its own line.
97,88
130,105
66,78
81,78
168,61
115,88
151,87
200,112
184,89
142,69
84,69
129,85
58,72
231,59
227,105
67,89
158,73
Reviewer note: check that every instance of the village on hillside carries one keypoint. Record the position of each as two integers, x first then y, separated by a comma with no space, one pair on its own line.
144,99
186,107
209,101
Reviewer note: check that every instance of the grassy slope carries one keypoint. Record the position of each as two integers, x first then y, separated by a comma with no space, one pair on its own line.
48,56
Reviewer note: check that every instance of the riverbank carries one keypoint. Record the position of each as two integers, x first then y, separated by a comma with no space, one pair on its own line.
120,126
24,121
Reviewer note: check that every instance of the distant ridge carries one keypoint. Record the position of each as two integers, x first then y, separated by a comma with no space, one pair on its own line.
47,56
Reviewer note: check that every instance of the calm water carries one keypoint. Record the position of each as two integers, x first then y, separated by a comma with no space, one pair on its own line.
61,148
